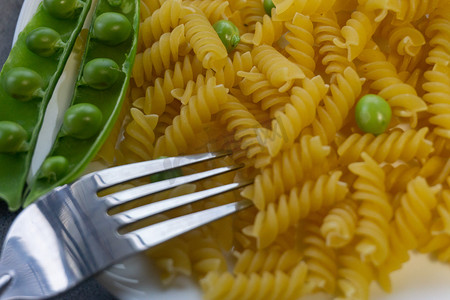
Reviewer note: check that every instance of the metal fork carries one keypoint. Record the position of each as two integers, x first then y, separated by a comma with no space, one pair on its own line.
67,235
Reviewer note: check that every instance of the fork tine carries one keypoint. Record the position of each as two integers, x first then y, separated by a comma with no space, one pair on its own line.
148,210
152,235
155,187
113,176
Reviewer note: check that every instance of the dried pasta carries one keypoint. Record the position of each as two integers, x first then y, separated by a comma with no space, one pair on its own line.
335,208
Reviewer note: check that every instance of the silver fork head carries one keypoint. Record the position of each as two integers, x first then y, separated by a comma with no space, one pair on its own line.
68,235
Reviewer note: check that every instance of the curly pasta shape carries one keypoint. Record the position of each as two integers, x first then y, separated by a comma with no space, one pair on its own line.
257,85
320,259
300,43
411,222
437,31
228,75
158,95
214,10
296,115
326,30
413,10
357,32
163,20
301,201
303,159
139,134
158,58
267,260
339,225
354,276
197,112
204,40
375,210
277,285
330,116
278,69
266,32
386,147
286,9
251,12
439,247
185,93
244,125
406,42
401,97
397,177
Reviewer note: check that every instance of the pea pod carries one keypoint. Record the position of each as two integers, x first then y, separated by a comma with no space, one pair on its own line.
28,79
102,85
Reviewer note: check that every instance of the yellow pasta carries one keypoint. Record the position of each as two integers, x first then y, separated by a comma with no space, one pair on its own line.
335,208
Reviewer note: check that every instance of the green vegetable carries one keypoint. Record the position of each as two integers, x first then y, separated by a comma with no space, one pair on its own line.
13,138
44,41
27,81
82,121
23,84
100,73
228,33
112,28
85,129
373,114
268,5
166,174
115,3
54,168
62,9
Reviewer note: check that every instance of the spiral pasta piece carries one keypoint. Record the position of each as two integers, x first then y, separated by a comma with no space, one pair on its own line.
277,285
310,197
286,9
204,40
401,97
266,32
161,21
320,259
158,58
375,210
330,116
326,30
267,260
214,10
357,32
415,9
397,177
197,112
257,85
228,75
296,115
411,222
339,225
386,147
289,168
244,125
251,12
279,70
354,276
158,95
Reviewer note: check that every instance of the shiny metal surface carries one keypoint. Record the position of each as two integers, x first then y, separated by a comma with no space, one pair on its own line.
67,235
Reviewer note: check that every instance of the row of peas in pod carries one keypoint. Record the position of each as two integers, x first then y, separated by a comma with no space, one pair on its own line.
28,80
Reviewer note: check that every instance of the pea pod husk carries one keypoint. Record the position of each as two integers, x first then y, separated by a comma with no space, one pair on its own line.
79,152
29,114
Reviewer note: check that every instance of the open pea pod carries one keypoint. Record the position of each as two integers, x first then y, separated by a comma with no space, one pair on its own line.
98,97
27,81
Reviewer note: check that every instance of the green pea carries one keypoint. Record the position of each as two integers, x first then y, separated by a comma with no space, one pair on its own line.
228,33
23,84
373,114
82,121
268,5
54,168
44,41
166,174
13,137
62,9
100,73
112,28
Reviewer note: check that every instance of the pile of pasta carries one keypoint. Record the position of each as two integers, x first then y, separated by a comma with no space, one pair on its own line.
335,209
